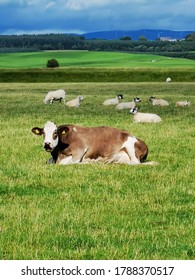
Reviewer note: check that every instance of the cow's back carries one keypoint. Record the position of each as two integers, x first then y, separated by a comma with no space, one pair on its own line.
104,141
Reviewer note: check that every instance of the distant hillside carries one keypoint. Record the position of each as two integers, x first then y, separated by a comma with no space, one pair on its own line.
150,34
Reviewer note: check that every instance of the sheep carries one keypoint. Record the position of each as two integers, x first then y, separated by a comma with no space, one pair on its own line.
113,101
182,103
144,117
55,95
158,102
168,80
75,102
128,105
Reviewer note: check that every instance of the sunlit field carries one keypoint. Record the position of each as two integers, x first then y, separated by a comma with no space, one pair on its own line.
96,211
91,59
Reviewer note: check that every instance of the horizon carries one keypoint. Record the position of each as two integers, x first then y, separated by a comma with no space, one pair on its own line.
149,34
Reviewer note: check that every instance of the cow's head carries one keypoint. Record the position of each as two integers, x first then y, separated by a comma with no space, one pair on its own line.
49,132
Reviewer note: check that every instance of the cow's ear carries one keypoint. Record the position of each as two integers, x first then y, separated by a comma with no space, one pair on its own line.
62,130
37,130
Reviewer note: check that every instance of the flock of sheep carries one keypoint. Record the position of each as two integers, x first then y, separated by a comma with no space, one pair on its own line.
138,117
59,95
142,117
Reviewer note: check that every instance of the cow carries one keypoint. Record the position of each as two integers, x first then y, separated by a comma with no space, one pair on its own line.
69,144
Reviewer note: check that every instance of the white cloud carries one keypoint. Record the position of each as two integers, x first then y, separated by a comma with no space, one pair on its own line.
84,4
39,16
49,5
25,2
42,31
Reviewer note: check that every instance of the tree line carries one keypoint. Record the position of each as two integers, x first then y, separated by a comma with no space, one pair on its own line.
33,43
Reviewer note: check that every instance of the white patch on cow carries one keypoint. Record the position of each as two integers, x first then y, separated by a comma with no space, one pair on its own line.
121,157
129,145
74,128
49,130
68,160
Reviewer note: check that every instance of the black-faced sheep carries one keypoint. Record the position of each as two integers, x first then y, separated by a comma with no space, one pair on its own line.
128,105
158,102
144,117
182,103
113,101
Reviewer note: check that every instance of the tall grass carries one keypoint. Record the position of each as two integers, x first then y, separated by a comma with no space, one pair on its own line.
96,211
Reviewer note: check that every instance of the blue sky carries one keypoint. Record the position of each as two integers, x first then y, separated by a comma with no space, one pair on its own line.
81,16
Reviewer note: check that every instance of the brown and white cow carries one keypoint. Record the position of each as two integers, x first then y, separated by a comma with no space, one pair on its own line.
75,144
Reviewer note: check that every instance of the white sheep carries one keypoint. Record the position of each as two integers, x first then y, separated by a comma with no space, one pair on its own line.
182,103
158,102
168,80
144,117
55,95
75,102
113,101
128,105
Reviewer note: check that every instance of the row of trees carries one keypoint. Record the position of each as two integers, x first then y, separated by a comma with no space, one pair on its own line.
13,43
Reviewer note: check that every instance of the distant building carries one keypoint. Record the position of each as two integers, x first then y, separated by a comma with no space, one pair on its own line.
169,39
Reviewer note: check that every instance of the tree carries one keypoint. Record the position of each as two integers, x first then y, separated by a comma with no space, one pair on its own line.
190,37
142,38
126,38
52,63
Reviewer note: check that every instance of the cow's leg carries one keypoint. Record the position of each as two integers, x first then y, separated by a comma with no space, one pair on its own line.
72,159
51,160
129,146
66,160
78,154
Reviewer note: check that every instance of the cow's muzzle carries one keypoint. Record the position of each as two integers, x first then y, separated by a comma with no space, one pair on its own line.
47,147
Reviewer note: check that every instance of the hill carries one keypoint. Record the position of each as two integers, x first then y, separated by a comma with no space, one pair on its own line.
150,34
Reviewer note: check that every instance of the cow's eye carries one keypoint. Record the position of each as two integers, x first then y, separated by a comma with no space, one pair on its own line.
55,134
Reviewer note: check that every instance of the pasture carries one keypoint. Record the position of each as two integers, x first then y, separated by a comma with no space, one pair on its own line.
83,59
96,211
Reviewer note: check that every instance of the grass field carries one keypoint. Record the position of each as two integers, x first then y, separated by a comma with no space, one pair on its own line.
96,211
91,59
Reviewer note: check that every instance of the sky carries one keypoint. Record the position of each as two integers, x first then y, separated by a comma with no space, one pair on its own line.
82,16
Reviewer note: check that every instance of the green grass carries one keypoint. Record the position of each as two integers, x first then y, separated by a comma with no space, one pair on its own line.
85,66
96,211
102,75
91,59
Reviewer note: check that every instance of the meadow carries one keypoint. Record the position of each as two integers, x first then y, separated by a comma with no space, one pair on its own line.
86,59
96,211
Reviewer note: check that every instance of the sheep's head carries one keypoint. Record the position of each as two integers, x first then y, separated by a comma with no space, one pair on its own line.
152,98
120,96
137,99
133,110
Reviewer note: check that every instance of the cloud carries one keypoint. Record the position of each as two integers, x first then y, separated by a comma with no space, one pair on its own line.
95,15
84,4
49,5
